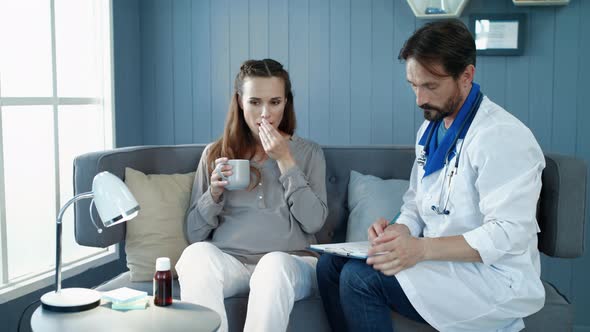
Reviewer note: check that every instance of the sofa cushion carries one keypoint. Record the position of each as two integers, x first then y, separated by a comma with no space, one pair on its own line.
158,230
369,198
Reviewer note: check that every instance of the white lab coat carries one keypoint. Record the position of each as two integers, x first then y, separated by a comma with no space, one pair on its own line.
493,205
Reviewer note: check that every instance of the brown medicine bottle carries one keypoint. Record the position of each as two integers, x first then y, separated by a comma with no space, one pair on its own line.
163,282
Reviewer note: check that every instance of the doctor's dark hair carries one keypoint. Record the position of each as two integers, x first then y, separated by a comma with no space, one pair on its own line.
448,43
237,141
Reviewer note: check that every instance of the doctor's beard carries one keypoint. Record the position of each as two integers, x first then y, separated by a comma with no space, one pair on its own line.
434,113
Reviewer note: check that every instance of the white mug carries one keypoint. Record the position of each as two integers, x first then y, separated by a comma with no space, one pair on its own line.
240,178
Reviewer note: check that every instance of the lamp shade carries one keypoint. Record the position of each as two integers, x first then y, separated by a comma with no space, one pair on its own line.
114,201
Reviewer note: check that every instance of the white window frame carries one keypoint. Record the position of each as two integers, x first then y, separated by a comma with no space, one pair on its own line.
35,281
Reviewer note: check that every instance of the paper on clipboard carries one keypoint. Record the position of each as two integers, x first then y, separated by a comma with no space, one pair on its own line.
356,250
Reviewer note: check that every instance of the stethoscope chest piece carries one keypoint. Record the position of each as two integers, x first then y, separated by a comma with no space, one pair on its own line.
439,212
422,159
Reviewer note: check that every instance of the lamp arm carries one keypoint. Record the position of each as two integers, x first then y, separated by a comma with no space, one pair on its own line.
76,198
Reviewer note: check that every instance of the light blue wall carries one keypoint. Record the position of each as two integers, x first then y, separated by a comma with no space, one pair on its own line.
175,63
127,76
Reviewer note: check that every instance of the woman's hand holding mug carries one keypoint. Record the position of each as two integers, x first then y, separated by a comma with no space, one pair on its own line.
229,174
222,169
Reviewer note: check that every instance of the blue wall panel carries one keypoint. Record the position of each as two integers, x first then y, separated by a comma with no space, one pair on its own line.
299,61
382,72
201,70
517,77
127,73
403,110
220,71
148,65
541,48
164,72
493,70
182,79
239,36
278,36
339,72
349,86
517,95
361,14
258,14
319,70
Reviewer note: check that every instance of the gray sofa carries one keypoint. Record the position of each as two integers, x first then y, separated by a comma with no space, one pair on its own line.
561,214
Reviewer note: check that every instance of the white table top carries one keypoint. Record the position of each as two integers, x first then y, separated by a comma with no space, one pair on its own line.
180,316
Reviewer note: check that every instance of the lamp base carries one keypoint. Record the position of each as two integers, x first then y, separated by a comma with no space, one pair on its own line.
71,300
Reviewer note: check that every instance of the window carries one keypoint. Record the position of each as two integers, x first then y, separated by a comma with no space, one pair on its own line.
55,103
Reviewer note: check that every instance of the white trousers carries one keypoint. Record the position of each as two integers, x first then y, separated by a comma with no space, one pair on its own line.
207,276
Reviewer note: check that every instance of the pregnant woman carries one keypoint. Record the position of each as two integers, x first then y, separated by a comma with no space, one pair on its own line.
254,240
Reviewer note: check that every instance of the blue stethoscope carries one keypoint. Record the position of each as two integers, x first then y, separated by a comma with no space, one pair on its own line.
442,209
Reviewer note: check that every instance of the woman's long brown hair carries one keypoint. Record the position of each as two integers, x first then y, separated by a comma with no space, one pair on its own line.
237,141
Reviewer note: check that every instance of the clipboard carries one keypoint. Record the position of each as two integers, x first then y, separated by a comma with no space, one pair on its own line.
356,250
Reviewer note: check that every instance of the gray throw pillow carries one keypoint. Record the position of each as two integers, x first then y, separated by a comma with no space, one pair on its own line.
370,198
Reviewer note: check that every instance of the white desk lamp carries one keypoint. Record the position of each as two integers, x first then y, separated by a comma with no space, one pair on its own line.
115,204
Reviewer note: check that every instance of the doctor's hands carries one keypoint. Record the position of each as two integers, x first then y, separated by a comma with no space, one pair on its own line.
397,249
377,228
276,146
217,183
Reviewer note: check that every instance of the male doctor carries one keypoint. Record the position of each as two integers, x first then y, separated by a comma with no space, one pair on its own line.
462,256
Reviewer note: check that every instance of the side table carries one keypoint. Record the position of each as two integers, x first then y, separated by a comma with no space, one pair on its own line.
180,316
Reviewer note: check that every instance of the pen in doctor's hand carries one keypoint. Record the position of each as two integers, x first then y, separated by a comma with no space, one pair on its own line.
389,223
394,218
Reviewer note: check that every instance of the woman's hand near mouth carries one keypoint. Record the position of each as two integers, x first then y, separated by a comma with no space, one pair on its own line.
276,146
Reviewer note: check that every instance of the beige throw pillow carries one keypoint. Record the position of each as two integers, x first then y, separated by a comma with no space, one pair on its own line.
158,230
